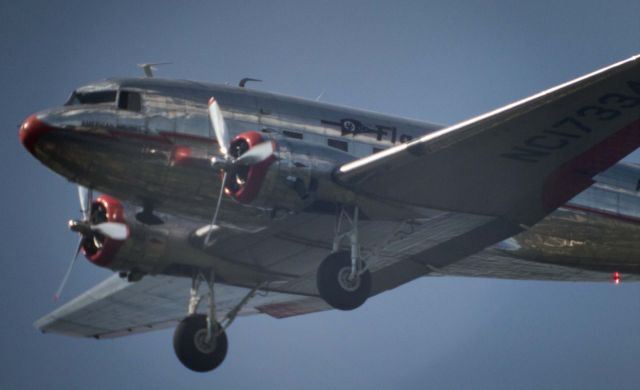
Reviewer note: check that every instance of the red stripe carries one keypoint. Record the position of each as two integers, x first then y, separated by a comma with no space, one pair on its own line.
145,137
163,136
575,175
191,137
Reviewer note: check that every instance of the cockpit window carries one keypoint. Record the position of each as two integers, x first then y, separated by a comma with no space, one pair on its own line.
97,97
129,101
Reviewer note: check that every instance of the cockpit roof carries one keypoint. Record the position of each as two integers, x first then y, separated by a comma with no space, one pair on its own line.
203,91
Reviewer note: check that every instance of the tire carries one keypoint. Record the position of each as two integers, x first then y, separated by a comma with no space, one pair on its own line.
341,297
195,355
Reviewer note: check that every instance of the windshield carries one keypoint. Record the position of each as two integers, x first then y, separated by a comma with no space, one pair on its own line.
96,97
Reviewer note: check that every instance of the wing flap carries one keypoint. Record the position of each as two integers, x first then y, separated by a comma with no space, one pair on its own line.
520,161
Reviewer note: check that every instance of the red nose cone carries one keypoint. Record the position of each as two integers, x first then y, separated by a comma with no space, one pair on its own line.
30,131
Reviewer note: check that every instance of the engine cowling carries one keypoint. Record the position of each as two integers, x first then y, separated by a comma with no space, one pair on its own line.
97,248
296,174
244,183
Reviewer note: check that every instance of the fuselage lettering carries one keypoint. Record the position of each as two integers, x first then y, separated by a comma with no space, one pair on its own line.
546,142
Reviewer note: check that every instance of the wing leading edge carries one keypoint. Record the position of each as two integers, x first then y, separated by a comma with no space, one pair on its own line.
518,162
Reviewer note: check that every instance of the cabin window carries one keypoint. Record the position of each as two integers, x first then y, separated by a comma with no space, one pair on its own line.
97,97
377,150
334,143
292,134
129,101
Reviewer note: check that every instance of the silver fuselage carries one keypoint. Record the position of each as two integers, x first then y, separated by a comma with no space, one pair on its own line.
129,153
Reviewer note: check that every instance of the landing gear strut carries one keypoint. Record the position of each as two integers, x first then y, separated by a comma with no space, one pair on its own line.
200,341
343,280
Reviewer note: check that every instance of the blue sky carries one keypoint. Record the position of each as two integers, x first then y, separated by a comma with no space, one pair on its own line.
441,61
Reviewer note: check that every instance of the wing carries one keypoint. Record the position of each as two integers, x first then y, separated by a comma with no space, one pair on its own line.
518,162
116,308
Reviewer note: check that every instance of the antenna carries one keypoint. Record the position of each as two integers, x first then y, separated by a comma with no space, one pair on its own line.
242,82
149,68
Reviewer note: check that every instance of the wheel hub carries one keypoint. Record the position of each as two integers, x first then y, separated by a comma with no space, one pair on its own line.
201,343
347,282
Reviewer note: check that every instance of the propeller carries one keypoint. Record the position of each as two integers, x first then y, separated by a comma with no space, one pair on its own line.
255,155
56,296
228,163
113,230
219,127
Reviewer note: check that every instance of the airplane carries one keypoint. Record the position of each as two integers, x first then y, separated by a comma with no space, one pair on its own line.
220,201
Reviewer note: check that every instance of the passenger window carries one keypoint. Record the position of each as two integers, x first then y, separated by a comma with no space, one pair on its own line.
334,143
129,101
292,134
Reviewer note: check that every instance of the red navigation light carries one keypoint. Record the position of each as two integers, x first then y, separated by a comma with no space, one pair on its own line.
616,278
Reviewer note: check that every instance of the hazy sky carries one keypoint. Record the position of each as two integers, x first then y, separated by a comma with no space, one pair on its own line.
441,61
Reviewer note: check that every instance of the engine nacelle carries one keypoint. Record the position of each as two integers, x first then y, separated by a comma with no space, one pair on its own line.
294,176
148,249
97,248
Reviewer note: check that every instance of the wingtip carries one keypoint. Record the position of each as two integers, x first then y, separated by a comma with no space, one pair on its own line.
212,100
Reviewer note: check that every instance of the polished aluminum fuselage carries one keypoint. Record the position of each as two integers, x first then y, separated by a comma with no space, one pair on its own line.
131,155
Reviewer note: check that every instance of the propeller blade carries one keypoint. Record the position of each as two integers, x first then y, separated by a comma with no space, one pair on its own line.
114,230
86,197
213,226
56,296
256,154
219,126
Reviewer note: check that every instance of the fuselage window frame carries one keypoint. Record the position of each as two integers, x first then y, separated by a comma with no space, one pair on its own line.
130,101
292,134
338,144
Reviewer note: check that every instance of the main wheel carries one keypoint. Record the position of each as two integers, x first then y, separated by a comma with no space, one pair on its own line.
335,286
191,346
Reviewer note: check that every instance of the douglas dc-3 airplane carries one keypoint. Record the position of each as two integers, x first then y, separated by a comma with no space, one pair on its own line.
220,201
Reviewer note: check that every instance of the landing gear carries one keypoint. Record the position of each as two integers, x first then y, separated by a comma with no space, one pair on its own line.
343,280
192,347
336,285
200,341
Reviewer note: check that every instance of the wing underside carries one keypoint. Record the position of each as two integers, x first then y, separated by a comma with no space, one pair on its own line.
116,307
519,162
